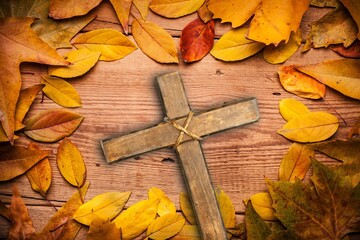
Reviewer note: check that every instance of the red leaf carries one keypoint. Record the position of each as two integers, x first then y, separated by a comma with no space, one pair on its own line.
353,51
196,40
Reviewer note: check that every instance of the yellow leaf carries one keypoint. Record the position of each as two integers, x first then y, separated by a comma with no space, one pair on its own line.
122,9
186,208
296,162
310,127
71,163
105,206
165,226
188,232
112,44
154,41
137,218
81,60
276,19
354,8
234,46
290,108
143,7
235,11
227,209
61,92
300,84
262,203
103,229
342,75
283,51
175,8
39,175
166,206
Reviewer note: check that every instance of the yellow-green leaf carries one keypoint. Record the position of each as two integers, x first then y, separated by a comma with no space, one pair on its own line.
262,203
310,127
186,208
353,6
61,92
112,44
166,206
235,11
165,226
52,125
283,51
290,108
143,7
105,206
137,218
39,175
175,8
300,84
70,163
342,75
276,19
227,209
234,46
81,60
296,162
122,9
154,41
103,229
188,232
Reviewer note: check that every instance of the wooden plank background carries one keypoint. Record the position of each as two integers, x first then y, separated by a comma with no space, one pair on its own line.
120,97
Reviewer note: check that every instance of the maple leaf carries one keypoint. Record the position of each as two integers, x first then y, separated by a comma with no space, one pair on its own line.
18,44
326,209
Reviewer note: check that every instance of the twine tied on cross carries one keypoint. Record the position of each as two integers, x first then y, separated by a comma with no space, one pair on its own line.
183,129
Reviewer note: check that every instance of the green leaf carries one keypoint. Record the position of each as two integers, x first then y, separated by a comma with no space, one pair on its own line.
256,228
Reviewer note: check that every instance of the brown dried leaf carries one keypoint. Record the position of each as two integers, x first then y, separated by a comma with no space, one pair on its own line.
52,125
103,229
204,13
353,51
196,40
22,226
39,175
300,84
5,211
355,131
16,160
353,6
60,9
324,3
122,9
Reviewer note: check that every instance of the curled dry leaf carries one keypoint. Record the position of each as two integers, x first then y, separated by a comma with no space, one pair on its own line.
188,232
335,27
175,9
112,44
105,206
234,46
143,7
122,9
291,108
283,51
262,204
342,75
296,162
137,218
187,209
154,41
60,9
324,3
256,228
39,175
353,6
71,163
165,226
103,229
196,40
82,61
61,92
61,225
16,160
52,125
353,51
300,84
166,206
204,13
310,127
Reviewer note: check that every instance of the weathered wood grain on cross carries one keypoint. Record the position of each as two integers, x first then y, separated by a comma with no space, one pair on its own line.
183,131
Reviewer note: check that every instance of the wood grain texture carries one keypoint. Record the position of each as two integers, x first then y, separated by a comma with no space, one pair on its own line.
120,97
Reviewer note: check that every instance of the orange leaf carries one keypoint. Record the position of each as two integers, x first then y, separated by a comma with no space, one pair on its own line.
39,175
60,9
204,13
19,43
196,40
352,51
22,226
122,9
15,160
52,125
300,84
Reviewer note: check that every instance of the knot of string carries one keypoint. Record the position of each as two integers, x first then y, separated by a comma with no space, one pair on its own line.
183,130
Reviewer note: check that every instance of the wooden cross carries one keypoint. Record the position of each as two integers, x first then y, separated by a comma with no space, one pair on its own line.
183,130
